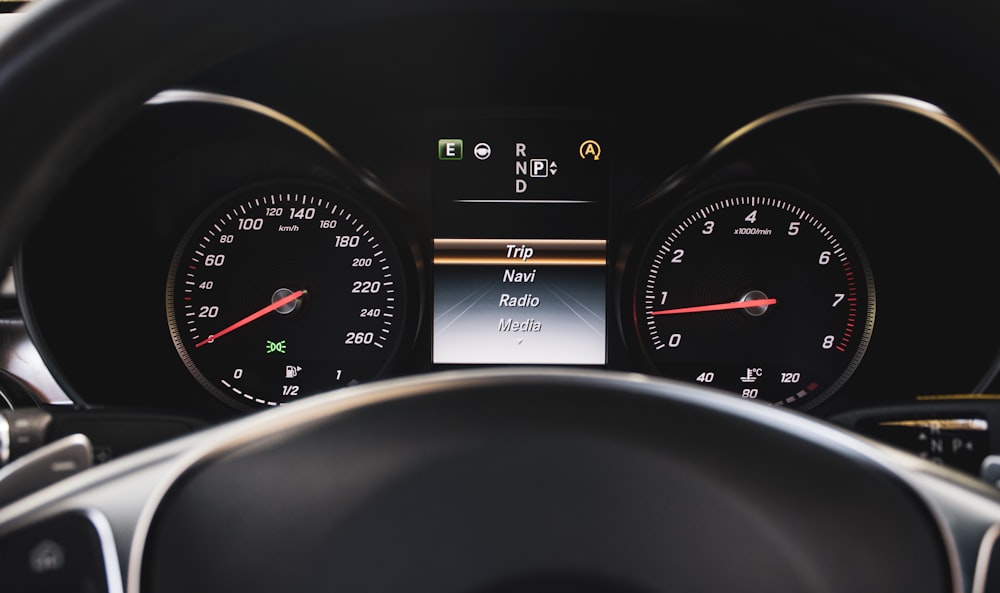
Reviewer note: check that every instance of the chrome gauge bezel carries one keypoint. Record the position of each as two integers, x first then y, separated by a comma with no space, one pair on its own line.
740,304
318,287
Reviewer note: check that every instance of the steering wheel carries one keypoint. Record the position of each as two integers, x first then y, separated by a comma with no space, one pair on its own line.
518,479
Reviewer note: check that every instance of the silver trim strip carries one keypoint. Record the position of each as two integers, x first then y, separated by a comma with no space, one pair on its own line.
990,376
7,289
4,437
9,20
112,569
956,424
901,102
174,96
189,96
983,560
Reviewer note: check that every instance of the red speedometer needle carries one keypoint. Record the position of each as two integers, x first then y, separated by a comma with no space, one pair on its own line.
719,307
252,317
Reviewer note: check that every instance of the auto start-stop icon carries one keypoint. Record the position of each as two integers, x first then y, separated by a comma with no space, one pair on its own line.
482,151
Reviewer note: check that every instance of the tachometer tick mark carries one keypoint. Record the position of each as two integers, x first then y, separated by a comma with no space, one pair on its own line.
744,294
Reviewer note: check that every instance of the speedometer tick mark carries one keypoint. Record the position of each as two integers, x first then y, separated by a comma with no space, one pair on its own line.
202,302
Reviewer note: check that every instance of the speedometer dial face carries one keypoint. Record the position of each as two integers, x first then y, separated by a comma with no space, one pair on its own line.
763,294
275,295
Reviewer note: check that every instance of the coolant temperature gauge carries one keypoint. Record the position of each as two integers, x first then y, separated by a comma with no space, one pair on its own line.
764,294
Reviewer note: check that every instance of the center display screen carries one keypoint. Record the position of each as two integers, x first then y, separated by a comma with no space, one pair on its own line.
520,243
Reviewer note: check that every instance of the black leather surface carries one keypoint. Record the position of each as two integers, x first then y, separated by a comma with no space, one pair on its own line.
535,484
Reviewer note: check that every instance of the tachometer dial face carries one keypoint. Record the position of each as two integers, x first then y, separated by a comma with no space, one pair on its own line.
763,294
276,295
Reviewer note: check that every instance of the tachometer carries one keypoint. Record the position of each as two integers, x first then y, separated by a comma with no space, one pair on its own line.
764,293
280,292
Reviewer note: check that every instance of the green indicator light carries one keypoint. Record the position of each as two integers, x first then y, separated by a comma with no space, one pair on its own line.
273,347
450,149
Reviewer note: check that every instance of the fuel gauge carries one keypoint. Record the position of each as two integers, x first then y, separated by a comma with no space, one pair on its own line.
280,292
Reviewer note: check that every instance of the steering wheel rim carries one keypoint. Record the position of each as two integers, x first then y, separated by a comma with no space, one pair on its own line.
115,84
540,479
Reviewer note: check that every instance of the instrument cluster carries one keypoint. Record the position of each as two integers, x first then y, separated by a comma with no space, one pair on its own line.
237,246
258,264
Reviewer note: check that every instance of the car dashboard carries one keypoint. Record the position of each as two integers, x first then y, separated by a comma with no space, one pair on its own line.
672,197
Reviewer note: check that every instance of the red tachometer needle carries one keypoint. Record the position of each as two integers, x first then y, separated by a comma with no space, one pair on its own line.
253,316
719,307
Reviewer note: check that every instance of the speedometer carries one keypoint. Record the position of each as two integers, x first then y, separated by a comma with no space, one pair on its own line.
282,291
762,292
